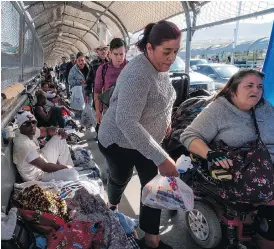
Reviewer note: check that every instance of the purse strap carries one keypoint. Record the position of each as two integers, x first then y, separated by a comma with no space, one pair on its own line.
255,122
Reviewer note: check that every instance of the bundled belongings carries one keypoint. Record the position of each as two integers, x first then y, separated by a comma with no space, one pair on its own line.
35,198
91,208
82,158
41,222
77,234
182,118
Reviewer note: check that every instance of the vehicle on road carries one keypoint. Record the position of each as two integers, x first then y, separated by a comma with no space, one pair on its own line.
218,72
197,80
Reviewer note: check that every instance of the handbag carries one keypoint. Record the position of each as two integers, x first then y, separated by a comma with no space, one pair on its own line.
252,171
23,237
105,96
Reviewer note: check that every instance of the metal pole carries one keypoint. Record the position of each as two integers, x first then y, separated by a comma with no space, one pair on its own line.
188,35
236,34
21,45
11,112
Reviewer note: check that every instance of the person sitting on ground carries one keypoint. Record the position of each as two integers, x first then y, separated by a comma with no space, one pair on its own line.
47,116
49,92
137,120
52,162
108,73
229,118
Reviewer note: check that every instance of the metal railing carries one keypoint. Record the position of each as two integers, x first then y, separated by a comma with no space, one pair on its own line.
17,104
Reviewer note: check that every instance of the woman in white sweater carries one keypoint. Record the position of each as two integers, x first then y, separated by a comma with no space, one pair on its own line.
138,119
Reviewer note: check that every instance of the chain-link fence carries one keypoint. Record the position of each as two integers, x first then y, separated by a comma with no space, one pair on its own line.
21,52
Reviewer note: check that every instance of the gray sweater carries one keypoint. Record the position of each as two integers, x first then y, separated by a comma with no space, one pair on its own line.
140,110
221,120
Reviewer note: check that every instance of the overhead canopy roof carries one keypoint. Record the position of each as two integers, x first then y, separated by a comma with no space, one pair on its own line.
243,46
69,27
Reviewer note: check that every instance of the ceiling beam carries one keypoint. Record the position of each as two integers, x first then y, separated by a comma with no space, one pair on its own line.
64,35
69,26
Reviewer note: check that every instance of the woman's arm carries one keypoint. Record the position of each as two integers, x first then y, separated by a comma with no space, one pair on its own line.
199,147
203,127
98,88
42,114
201,132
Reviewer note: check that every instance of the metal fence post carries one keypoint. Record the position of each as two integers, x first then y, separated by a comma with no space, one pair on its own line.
188,35
21,44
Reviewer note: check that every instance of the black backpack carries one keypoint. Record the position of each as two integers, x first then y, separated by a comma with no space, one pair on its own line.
23,237
182,118
106,95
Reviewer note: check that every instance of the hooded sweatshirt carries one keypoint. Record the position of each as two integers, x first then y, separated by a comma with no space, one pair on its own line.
221,120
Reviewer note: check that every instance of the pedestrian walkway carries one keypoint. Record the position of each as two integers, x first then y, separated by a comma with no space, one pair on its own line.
173,230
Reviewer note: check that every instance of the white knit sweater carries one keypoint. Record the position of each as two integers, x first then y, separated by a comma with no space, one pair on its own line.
140,110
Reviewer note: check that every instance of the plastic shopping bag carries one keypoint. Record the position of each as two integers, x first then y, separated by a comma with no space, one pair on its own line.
88,118
77,98
168,193
183,164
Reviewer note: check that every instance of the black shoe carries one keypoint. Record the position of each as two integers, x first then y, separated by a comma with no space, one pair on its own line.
142,244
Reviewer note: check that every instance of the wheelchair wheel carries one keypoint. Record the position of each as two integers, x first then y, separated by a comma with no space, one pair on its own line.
204,225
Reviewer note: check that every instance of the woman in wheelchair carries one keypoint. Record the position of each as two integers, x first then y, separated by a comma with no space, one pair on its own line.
238,115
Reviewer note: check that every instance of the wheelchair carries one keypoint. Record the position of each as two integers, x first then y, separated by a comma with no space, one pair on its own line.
215,222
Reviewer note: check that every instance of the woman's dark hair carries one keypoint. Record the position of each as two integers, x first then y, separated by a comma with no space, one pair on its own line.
157,33
79,54
233,83
117,43
44,83
40,96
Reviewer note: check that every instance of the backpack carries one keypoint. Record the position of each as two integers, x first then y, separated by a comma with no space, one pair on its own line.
23,237
106,95
182,118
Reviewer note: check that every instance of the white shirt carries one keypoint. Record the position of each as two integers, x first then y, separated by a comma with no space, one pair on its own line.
25,150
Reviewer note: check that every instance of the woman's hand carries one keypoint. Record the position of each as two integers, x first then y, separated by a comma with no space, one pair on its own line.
219,158
98,117
168,168
168,131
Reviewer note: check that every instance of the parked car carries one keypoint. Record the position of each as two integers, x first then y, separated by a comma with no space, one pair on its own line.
194,62
220,73
197,80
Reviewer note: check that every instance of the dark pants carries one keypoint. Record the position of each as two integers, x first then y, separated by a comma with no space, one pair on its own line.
56,117
121,163
67,89
62,77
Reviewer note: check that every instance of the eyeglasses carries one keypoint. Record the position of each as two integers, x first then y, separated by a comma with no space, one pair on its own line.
29,123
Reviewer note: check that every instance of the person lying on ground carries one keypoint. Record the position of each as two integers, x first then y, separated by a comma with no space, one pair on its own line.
52,162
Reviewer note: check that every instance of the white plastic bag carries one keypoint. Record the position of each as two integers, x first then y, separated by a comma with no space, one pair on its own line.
77,98
183,163
88,118
168,193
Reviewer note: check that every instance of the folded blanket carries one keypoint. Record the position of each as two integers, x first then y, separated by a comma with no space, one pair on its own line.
91,208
